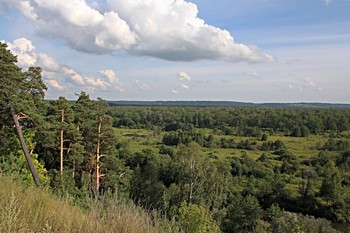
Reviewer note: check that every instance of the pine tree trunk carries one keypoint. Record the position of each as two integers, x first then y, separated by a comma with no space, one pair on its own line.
61,143
25,149
98,154
73,172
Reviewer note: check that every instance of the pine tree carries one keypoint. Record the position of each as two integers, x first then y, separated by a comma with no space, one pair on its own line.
65,134
21,94
100,161
85,120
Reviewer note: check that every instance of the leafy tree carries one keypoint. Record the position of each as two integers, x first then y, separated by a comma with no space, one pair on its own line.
305,132
243,215
343,161
274,212
196,219
15,163
331,187
272,190
190,165
145,186
292,222
306,187
263,158
264,137
296,132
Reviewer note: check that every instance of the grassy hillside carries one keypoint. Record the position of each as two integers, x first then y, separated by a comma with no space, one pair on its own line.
27,209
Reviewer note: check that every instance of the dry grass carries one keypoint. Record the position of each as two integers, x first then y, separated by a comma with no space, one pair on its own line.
27,209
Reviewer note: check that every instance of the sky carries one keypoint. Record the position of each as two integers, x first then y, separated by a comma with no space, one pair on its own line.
229,50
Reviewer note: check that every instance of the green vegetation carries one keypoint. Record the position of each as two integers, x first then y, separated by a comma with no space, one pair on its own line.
27,209
166,169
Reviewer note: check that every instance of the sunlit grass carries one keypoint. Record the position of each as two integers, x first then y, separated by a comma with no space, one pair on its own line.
304,148
28,209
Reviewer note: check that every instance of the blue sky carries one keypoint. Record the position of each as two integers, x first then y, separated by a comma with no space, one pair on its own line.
251,50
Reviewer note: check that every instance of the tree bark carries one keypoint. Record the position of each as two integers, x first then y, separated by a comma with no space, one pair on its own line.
61,143
98,154
25,149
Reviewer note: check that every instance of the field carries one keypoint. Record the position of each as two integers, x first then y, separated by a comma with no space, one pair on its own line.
303,148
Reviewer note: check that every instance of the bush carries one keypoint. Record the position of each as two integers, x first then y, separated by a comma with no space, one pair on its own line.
291,222
196,219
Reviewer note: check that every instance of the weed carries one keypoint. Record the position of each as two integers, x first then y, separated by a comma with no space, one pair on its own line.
9,216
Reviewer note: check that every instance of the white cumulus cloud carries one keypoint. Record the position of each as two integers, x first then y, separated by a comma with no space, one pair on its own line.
47,63
183,76
73,76
25,52
55,73
167,29
54,84
97,83
112,79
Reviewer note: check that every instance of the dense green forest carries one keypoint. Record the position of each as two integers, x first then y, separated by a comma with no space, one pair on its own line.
192,169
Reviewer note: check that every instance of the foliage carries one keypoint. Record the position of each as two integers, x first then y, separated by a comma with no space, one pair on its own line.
196,219
243,215
238,168
291,222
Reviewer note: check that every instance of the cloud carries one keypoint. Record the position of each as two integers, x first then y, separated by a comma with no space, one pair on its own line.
308,83
298,83
25,52
184,86
144,87
114,33
84,28
172,30
54,84
183,76
169,30
327,1
97,83
253,74
141,86
112,79
73,76
53,72
183,80
47,63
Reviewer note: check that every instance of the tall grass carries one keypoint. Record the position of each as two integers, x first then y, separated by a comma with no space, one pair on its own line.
28,209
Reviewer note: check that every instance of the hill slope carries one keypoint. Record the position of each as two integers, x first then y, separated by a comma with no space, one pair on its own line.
27,209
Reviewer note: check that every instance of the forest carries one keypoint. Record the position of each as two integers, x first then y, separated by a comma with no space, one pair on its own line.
178,168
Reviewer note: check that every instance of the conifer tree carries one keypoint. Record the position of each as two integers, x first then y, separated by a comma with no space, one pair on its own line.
98,141
65,136
21,94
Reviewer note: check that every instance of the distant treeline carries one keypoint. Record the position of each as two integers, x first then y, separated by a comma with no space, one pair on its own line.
226,104
225,118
